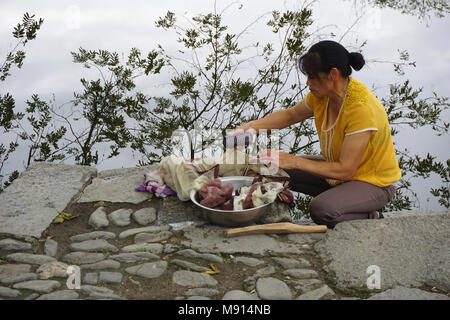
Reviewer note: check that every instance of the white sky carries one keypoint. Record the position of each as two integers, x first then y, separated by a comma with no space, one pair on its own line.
119,26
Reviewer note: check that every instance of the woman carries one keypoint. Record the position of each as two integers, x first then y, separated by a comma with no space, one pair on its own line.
354,177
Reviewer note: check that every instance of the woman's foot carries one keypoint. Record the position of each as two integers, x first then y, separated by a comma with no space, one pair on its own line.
376,215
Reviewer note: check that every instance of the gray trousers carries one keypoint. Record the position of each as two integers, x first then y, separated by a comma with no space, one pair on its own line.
350,200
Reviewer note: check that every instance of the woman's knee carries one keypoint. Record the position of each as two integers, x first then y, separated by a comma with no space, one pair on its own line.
320,211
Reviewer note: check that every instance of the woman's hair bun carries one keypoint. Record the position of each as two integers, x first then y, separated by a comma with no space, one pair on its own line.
356,60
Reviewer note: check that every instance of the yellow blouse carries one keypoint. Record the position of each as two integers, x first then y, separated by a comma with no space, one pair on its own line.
360,112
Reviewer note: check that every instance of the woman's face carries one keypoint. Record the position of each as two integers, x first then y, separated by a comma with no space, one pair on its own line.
321,85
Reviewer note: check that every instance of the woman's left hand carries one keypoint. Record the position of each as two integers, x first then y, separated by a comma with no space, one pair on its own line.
276,158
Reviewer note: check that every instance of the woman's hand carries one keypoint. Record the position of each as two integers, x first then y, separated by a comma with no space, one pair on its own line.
245,127
277,159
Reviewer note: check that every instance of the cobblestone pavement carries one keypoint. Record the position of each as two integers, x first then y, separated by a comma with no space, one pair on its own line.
124,254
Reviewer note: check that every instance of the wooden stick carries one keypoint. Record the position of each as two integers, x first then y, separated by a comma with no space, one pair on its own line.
281,227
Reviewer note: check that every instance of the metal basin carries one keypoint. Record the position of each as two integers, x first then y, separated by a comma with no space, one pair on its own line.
230,218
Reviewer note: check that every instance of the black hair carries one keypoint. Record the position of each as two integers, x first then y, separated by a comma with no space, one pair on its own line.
327,54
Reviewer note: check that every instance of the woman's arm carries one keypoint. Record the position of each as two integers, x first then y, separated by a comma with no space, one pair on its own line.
352,151
279,119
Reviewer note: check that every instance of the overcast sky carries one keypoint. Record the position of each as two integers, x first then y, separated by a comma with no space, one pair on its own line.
119,26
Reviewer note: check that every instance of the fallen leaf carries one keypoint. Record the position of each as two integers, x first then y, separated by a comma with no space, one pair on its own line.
215,270
58,219
68,216
64,216
165,258
99,204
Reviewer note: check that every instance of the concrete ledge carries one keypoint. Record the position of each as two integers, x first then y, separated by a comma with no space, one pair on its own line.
117,185
410,249
32,201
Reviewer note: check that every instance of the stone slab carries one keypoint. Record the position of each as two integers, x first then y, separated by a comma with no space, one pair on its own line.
406,249
210,238
32,201
402,293
117,185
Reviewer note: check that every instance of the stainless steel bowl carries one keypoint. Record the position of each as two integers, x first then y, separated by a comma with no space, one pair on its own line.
235,218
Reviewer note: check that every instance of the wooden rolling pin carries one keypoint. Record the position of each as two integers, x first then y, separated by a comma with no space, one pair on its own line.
281,227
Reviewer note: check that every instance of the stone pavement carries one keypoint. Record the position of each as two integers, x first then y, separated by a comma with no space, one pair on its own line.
127,247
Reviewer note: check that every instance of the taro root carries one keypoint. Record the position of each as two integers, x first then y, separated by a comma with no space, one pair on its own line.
203,192
248,202
214,194
227,205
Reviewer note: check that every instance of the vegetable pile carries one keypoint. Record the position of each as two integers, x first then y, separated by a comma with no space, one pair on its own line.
213,195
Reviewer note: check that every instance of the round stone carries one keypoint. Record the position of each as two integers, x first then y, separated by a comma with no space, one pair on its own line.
60,295
239,295
189,265
323,293
78,258
272,289
110,277
148,270
92,236
98,219
90,278
50,247
88,289
193,279
132,232
29,258
12,270
19,278
134,257
43,286
121,217
152,237
288,263
301,273
52,269
11,244
105,264
252,262
144,247
203,292
144,216
100,245
9,293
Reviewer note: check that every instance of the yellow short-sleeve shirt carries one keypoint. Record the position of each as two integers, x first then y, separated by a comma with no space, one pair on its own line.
360,112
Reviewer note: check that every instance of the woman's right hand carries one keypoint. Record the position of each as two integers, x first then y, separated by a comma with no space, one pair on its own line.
245,127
